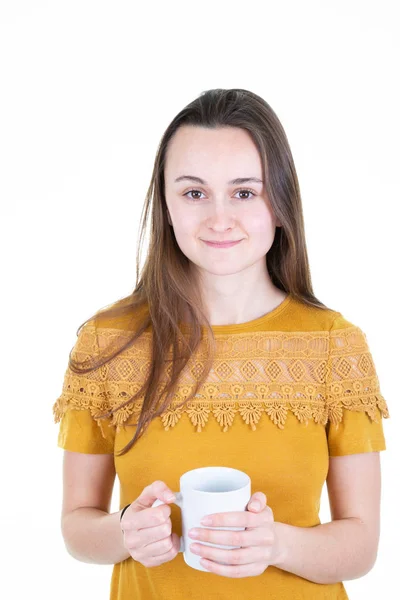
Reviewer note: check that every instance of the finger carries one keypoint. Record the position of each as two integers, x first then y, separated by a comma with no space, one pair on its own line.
158,547
258,536
148,535
235,556
240,519
148,517
152,560
236,571
158,490
258,501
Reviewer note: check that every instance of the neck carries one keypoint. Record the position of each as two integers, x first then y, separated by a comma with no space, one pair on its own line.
239,297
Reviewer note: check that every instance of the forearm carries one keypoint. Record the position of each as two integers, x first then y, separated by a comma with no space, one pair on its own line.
327,553
94,536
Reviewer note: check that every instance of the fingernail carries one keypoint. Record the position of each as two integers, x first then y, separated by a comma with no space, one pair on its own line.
193,533
256,505
169,496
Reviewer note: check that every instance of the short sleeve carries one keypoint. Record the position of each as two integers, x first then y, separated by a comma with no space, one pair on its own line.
355,404
83,399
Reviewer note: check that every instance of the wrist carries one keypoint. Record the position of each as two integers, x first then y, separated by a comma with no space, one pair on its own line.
279,558
123,510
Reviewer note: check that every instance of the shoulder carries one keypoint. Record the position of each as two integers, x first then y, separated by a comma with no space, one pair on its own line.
121,315
301,316
115,328
315,318
104,332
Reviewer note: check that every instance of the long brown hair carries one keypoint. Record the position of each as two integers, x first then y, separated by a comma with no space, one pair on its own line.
165,287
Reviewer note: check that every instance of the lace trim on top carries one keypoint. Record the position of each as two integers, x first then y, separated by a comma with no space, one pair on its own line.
315,375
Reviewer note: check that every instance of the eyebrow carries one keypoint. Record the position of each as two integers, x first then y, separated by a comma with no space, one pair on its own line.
238,180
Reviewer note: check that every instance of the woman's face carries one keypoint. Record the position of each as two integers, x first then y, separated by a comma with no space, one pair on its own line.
215,209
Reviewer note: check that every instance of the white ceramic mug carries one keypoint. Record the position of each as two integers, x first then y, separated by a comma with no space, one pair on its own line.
205,491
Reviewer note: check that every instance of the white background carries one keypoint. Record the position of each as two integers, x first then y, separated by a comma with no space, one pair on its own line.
87,89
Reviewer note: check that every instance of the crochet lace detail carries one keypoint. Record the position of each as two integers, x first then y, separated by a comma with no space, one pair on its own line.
315,375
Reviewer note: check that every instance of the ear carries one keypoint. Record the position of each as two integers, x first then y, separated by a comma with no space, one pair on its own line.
169,217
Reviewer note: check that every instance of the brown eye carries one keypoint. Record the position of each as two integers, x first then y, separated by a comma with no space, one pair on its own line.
246,192
193,191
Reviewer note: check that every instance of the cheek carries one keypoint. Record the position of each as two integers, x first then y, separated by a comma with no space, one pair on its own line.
260,229
186,231
259,224
186,226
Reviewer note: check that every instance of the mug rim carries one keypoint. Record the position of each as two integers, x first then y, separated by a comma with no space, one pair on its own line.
243,479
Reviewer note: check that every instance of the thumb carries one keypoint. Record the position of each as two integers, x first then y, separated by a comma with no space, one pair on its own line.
257,502
158,490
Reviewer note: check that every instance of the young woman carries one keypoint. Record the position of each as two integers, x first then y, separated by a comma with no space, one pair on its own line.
222,355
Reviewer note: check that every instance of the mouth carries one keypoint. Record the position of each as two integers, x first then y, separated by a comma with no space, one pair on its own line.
222,244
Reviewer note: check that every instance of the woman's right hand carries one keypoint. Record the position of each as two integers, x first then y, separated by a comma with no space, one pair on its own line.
147,530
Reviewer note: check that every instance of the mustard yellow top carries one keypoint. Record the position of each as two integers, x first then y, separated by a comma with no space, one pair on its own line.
287,390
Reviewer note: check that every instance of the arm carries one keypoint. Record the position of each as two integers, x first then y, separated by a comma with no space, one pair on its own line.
90,533
345,548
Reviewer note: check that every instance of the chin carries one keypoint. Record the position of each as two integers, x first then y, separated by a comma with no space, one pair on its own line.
222,269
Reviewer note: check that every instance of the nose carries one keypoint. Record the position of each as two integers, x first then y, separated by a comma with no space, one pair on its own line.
221,217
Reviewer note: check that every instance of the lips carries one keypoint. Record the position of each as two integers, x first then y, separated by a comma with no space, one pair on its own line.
222,244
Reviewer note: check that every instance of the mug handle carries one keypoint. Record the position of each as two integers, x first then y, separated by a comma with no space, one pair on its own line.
178,502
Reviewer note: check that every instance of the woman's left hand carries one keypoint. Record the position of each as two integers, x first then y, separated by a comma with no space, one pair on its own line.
259,543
